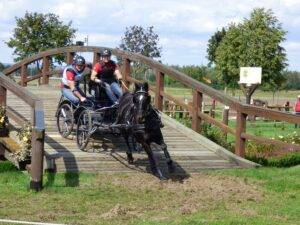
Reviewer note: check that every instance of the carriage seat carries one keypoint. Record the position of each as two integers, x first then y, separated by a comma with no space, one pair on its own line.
98,93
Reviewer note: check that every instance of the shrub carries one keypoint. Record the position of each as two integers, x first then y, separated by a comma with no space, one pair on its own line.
24,136
290,159
3,118
258,150
287,160
270,155
216,135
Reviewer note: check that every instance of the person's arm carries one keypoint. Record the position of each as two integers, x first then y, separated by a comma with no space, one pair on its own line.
94,74
118,74
119,77
71,84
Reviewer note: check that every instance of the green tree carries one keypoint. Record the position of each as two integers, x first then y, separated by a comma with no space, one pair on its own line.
213,44
254,42
36,32
292,80
144,41
139,40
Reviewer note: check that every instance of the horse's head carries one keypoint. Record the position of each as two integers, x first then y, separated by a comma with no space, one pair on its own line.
141,101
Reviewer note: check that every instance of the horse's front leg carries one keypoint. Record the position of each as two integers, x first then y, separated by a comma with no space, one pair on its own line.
171,167
129,151
154,169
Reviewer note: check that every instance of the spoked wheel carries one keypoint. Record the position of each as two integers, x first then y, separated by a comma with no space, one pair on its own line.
65,120
83,130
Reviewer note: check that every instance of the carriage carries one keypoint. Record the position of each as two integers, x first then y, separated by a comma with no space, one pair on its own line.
136,119
96,114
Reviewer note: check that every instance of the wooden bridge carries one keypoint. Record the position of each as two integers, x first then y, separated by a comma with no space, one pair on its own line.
190,151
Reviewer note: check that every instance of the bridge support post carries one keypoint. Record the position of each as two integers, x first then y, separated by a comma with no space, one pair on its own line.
126,71
37,159
23,81
159,88
96,57
37,146
225,116
69,57
240,128
45,71
197,107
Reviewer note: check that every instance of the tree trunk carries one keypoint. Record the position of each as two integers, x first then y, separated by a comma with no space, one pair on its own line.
248,98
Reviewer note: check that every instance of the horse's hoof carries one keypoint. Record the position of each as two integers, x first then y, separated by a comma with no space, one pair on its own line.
159,174
162,178
129,158
130,161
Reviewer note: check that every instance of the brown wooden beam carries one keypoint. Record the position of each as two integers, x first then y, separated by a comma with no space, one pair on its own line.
37,159
24,75
197,107
17,90
15,116
159,88
126,71
225,117
69,57
96,57
240,141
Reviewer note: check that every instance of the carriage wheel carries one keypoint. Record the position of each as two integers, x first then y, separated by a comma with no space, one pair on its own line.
83,129
65,120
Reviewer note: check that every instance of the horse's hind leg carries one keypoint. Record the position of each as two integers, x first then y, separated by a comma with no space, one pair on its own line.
129,151
133,143
154,169
171,167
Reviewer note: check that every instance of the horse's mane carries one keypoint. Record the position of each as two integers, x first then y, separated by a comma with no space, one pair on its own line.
125,103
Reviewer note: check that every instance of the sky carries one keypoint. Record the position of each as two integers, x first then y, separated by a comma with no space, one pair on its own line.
184,27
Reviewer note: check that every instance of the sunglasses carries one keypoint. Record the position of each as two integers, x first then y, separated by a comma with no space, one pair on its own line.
80,66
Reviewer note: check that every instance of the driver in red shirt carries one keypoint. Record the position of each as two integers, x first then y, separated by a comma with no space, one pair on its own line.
107,72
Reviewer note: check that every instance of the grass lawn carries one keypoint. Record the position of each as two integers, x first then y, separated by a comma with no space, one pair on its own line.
244,196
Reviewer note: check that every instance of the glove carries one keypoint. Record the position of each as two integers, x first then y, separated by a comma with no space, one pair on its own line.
98,81
82,99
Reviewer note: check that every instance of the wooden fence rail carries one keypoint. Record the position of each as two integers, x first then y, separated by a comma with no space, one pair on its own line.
37,122
199,90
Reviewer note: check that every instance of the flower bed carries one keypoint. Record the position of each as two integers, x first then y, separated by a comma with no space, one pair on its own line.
24,140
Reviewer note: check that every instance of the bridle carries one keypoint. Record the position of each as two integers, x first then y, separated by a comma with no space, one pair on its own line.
146,94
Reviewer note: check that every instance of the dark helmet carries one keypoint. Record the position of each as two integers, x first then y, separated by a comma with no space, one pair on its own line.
79,60
106,52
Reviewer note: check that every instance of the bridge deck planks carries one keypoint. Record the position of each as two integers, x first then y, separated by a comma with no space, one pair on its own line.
109,155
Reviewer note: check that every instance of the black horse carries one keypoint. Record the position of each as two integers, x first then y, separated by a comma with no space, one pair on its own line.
144,125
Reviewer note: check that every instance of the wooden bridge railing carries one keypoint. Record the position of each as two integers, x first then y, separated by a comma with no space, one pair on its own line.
37,122
199,89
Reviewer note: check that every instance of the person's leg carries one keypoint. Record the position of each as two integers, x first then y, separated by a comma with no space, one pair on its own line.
69,95
116,89
110,94
81,91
